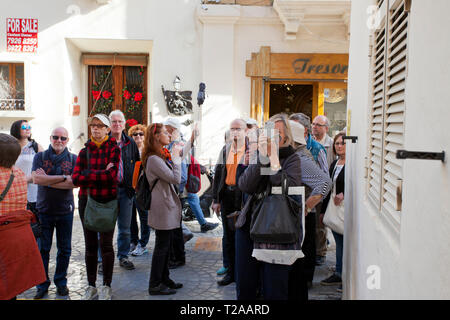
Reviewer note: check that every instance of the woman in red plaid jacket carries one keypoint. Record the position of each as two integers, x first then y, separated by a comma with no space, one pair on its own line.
101,180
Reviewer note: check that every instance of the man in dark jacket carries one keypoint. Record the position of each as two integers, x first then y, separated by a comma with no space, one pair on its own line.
227,198
125,193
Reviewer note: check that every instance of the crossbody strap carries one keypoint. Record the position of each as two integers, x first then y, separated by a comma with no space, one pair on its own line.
8,186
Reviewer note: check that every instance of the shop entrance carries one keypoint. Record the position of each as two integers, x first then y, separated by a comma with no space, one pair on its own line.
290,98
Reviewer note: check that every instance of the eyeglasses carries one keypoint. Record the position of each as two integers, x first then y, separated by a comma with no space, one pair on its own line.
26,127
236,129
339,144
117,121
138,134
99,126
318,124
58,137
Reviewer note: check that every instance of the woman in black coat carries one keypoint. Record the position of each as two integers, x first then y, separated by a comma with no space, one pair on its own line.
337,175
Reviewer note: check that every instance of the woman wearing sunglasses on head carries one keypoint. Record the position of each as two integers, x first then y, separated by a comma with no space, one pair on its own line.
21,130
138,246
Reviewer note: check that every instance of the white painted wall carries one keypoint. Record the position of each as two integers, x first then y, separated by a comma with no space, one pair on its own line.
414,263
181,39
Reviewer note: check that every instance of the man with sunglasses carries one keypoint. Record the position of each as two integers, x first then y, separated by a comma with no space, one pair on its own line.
52,171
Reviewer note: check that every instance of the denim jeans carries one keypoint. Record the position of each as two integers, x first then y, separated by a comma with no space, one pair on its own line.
145,228
339,239
123,223
63,226
194,203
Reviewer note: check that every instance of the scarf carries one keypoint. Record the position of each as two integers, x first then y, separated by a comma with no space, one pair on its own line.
99,144
286,152
56,160
166,154
314,147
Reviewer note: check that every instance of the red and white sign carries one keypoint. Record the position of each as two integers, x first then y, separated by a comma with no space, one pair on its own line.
21,35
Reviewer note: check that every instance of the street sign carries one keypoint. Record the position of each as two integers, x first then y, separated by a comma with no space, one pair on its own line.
21,35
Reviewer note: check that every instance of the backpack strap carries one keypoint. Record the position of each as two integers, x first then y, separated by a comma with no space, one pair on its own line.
8,186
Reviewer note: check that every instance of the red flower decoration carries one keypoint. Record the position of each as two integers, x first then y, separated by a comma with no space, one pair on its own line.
106,94
132,122
96,94
126,94
137,96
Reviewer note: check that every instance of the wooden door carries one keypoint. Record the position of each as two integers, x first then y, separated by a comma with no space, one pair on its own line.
119,87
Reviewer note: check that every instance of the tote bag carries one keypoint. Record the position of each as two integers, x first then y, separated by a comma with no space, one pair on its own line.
100,217
334,215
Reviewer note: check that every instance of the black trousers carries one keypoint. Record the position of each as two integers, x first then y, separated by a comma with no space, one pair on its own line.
230,203
160,260
177,252
302,270
309,246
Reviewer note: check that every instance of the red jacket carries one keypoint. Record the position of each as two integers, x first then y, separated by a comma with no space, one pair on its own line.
21,266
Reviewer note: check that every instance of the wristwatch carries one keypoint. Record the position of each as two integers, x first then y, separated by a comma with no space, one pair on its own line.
64,177
308,210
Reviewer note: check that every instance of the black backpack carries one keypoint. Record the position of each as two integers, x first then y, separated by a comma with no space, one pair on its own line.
143,191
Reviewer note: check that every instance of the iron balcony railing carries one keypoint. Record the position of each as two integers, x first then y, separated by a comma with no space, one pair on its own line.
12,104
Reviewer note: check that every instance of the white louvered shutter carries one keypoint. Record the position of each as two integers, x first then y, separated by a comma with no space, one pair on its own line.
378,76
396,72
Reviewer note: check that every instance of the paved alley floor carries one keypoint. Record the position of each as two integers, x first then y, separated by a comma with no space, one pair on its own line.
203,259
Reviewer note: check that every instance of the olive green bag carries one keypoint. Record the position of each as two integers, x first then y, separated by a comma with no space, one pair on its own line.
100,217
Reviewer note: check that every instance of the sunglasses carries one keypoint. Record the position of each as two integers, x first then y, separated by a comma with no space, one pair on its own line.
97,126
58,137
138,134
26,127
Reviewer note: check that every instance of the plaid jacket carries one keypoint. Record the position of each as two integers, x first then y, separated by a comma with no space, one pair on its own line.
102,183
16,198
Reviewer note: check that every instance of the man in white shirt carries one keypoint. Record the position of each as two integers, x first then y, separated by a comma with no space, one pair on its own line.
320,128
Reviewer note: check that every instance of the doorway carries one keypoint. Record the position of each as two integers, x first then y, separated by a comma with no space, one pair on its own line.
290,98
118,87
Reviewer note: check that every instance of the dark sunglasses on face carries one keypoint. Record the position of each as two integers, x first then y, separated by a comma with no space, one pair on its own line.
58,137
26,127
99,126
138,134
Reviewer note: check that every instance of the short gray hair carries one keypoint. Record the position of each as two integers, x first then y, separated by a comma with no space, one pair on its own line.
303,119
116,112
324,118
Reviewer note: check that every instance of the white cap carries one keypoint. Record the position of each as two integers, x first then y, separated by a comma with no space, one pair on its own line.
173,122
298,132
103,118
251,121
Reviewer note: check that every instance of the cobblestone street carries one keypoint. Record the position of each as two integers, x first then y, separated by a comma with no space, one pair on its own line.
203,259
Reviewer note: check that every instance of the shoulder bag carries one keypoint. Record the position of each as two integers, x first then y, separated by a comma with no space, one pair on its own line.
277,218
100,217
334,215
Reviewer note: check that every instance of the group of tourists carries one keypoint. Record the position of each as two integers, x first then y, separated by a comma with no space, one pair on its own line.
109,170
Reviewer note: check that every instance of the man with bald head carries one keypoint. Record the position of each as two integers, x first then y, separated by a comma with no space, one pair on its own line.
51,171
320,127
227,197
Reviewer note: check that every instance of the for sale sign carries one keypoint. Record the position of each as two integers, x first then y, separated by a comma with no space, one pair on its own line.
21,35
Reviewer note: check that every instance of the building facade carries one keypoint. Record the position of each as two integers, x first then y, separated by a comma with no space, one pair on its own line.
97,55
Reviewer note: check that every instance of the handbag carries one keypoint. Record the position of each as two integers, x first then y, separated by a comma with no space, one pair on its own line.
334,215
277,218
100,217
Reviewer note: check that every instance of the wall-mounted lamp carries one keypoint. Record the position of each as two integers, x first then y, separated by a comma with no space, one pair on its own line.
177,83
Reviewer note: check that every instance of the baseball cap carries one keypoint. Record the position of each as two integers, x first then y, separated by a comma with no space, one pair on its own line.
173,122
103,118
298,132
